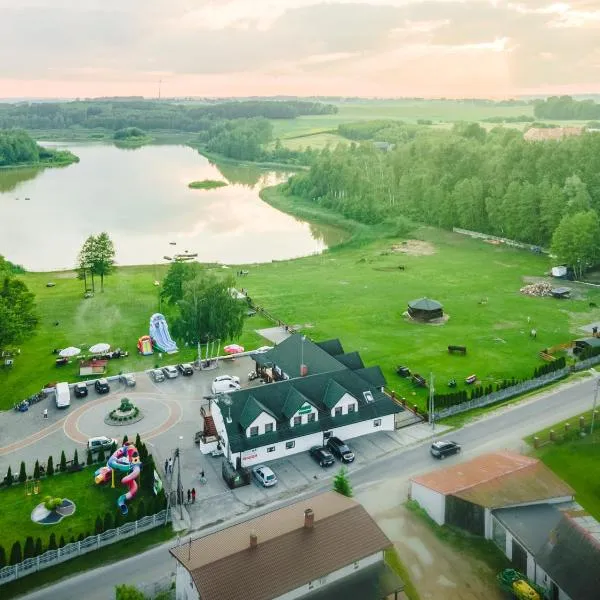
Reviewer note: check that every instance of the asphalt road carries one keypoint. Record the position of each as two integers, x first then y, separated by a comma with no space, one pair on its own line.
503,429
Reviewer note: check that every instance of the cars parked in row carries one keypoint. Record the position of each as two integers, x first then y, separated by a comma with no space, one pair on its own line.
170,372
80,389
185,369
339,448
442,449
128,379
322,456
264,475
157,375
102,386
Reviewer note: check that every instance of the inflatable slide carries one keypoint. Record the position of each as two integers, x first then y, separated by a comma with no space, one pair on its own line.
159,332
145,345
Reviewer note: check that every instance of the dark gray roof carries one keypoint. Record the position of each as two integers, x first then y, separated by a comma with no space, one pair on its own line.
590,341
531,524
425,304
333,347
373,375
322,391
571,557
352,360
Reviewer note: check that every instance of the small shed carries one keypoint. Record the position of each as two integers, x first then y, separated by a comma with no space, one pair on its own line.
425,309
584,343
92,366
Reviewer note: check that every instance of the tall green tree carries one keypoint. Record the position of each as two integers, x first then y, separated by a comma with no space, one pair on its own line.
103,260
85,262
576,241
16,555
179,272
208,308
128,592
341,483
22,473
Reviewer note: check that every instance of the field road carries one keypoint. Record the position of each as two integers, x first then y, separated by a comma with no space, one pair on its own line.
502,429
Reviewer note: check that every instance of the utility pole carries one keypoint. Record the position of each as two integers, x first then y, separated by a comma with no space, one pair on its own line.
594,406
159,85
431,402
179,486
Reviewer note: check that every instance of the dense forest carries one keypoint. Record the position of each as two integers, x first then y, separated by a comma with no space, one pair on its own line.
149,115
540,193
19,148
566,108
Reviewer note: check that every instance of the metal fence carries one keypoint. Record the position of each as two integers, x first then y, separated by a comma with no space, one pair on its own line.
508,242
506,393
582,365
89,544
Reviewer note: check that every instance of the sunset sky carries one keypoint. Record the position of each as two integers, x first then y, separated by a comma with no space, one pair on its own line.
484,48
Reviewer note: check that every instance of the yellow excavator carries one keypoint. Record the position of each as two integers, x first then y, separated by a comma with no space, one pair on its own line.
518,585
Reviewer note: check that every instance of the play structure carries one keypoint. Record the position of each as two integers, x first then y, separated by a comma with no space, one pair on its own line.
159,332
126,459
144,345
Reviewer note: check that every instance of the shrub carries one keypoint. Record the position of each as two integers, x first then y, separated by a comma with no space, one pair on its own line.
138,441
80,537
52,542
2,557
101,457
341,483
29,548
61,542
9,477
125,440
36,470
39,549
90,459
128,592
108,522
15,554
22,473
99,526
50,467
52,503
63,461
76,458
141,509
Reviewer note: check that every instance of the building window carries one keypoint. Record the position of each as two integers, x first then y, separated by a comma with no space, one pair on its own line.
311,417
311,585
268,427
338,410
351,408
368,396
289,445
327,435
270,448
253,431
356,565
297,421
377,423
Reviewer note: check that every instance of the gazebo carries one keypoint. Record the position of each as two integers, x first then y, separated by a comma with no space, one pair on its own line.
425,309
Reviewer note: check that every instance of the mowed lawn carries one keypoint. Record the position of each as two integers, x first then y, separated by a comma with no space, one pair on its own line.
91,501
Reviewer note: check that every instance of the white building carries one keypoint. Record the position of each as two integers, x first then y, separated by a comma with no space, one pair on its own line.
298,411
325,547
527,511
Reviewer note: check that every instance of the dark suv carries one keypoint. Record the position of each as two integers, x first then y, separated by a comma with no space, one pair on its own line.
185,369
322,456
80,390
443,449
102,386
339,449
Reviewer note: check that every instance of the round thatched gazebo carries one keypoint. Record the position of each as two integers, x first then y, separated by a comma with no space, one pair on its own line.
425,309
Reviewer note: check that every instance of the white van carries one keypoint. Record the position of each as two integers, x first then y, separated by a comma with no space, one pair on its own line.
63,395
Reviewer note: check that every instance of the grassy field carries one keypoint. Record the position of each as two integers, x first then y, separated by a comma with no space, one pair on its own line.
314,140
576,461
91,501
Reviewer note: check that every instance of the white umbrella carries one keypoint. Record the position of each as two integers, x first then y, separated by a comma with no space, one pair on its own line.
99,348
68,352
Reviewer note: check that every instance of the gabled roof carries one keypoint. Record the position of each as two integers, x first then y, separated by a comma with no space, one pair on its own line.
288,555
373,375
496,480
352,360
332,347
293,402
333,393
252,409
425,304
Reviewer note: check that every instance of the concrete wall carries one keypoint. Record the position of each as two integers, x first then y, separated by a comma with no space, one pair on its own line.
185,588
311,586
431,501
304,417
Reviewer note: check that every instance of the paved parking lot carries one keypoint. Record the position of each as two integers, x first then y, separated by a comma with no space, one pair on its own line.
171,418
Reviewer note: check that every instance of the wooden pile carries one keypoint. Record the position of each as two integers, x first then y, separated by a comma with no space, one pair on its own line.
537,289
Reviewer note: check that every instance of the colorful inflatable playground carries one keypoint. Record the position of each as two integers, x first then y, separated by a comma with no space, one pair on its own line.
159,338
125,459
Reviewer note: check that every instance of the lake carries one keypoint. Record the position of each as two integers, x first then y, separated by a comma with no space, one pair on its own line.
140,197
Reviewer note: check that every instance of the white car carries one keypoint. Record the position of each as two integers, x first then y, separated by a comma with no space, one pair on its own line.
157,374
102,442
226,378
224,386
170,372
264,475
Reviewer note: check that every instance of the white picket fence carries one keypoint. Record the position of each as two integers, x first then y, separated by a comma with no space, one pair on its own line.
89,544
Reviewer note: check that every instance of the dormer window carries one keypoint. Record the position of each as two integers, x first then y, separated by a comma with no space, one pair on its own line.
338,410
368,396
253,431
268,427
297,421
311,417
351,408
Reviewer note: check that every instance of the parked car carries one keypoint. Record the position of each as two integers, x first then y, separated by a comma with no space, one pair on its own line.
226,378
222,387
102,386
128,379
101,443
264,475
170,372
80,389
157,375
340,449
322,456
185,369
443,449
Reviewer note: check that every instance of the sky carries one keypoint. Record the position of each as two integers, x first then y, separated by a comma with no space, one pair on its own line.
384,48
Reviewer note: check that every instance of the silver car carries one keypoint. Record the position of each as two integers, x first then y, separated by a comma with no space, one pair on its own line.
264,475
157,375
170,372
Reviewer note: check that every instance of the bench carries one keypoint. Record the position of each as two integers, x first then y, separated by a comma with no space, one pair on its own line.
419,380
471,379
457,349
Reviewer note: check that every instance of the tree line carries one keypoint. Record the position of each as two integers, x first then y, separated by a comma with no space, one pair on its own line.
17,147
149,115
545,194
566,108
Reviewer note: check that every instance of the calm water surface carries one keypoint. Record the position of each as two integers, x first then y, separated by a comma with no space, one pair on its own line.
140,197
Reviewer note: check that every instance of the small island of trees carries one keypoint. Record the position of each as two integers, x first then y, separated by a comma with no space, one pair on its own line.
131,136
206,184
19,149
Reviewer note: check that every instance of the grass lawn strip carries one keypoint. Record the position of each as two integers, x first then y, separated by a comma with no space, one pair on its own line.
394,562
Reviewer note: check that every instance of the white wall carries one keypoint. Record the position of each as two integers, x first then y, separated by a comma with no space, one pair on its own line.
185,589
434,503
302,444
304,417
345,401
331,577
260,422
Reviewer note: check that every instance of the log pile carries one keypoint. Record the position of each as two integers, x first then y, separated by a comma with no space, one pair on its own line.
537,289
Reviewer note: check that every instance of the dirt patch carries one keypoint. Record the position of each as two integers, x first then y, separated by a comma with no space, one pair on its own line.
437,569
414,248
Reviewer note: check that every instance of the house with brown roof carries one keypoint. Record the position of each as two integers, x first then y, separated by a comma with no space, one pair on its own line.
528,512
325,547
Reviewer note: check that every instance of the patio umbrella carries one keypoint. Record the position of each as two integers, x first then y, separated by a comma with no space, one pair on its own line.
99,348
68,352
233,349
